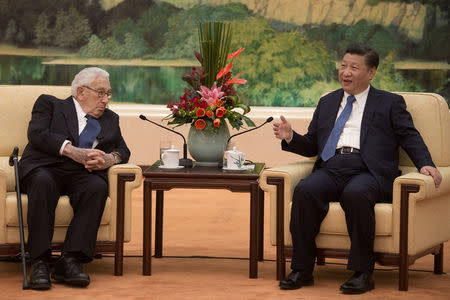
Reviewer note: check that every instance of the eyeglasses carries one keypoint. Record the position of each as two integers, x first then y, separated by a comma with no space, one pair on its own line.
100,93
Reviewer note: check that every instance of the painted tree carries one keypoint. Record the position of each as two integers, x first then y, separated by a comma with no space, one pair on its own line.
71,29
42,31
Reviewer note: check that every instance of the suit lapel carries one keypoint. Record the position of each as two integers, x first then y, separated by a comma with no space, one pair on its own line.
369,110
71,118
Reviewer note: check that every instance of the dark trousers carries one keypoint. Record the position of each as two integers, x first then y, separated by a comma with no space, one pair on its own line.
343,178
87,192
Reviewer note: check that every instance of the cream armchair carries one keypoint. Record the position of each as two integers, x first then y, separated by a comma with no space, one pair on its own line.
415,224
15,112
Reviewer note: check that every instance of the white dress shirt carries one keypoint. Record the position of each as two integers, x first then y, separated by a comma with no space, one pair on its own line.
350,136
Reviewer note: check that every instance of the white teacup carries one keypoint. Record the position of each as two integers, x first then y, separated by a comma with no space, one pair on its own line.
234,159
171,158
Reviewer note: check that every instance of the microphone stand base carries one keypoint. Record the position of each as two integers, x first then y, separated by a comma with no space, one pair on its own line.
186,162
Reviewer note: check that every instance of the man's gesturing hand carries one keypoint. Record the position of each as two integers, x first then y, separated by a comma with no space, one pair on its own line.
283,130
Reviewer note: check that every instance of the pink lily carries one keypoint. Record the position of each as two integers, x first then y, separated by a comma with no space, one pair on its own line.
210,95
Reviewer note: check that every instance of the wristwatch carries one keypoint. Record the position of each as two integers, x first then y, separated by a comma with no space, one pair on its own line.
117,158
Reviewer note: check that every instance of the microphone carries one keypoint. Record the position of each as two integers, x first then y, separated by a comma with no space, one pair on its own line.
186,162
269,119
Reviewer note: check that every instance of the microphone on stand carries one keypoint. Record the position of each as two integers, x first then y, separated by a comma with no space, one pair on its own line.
269,119
186,162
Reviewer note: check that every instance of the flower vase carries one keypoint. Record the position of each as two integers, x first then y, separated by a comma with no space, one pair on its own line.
207,147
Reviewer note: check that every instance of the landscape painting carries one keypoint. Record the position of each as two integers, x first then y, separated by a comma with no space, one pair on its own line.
292,47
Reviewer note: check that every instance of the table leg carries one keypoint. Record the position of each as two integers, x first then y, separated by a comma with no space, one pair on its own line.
253,261
260,224
147,239
159,223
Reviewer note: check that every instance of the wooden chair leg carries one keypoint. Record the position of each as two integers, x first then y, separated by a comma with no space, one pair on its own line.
439,261
320,260
281,258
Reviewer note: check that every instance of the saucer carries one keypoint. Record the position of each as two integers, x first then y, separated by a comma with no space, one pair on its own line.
244,168
171,168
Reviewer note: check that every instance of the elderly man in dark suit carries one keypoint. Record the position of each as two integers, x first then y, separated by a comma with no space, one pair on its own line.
72,143
355,132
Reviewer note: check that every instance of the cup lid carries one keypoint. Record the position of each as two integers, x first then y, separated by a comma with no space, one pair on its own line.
172,149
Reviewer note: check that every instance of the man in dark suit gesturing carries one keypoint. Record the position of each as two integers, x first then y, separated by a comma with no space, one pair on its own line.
71,144
355,133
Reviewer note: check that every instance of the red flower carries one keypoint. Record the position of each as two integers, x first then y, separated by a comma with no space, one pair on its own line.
200,112
210,114
236,80
235,54
220,112
217,123
200,124
224,70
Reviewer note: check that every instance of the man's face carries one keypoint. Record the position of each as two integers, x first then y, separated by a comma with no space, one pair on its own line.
354,75
88,96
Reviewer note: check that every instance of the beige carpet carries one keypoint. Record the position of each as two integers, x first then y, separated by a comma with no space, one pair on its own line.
216,224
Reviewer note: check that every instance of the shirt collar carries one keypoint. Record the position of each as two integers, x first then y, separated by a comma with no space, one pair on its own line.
361,97
79,109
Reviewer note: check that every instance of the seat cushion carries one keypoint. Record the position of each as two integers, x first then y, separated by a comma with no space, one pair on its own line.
334,222
64,212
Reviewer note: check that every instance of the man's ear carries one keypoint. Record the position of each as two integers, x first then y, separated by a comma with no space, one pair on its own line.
372,72
80,92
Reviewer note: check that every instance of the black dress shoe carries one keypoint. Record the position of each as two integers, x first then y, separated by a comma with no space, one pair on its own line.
69,270
296,280
359,283
39,276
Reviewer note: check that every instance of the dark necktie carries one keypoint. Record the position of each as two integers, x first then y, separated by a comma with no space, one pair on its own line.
89,133
330,147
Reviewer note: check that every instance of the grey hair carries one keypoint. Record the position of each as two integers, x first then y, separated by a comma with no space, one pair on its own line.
86,77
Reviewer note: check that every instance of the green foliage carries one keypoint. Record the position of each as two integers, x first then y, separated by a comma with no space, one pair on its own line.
42,31
279,66
182,38
389,79
338,36
71,29
214,43
11,31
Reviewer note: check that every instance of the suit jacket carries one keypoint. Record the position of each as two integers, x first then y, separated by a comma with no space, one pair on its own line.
385,125
52,122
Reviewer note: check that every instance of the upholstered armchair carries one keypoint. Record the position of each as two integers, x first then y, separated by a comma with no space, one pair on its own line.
15,112
415,224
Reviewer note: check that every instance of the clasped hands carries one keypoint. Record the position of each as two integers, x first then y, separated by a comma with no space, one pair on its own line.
92,159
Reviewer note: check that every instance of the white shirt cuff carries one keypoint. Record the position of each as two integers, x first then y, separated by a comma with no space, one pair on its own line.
63,145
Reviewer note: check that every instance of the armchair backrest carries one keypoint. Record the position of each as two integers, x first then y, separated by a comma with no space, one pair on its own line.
431,117
15,113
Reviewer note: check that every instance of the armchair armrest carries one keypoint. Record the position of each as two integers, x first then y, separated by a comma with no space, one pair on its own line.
426,185
132,174
420,211
291,173
288,176
2,205
280,183
120,195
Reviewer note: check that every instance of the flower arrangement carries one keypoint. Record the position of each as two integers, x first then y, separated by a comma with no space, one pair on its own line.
210,97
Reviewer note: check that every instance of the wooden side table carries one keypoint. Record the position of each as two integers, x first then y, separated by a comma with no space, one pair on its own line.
200,177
